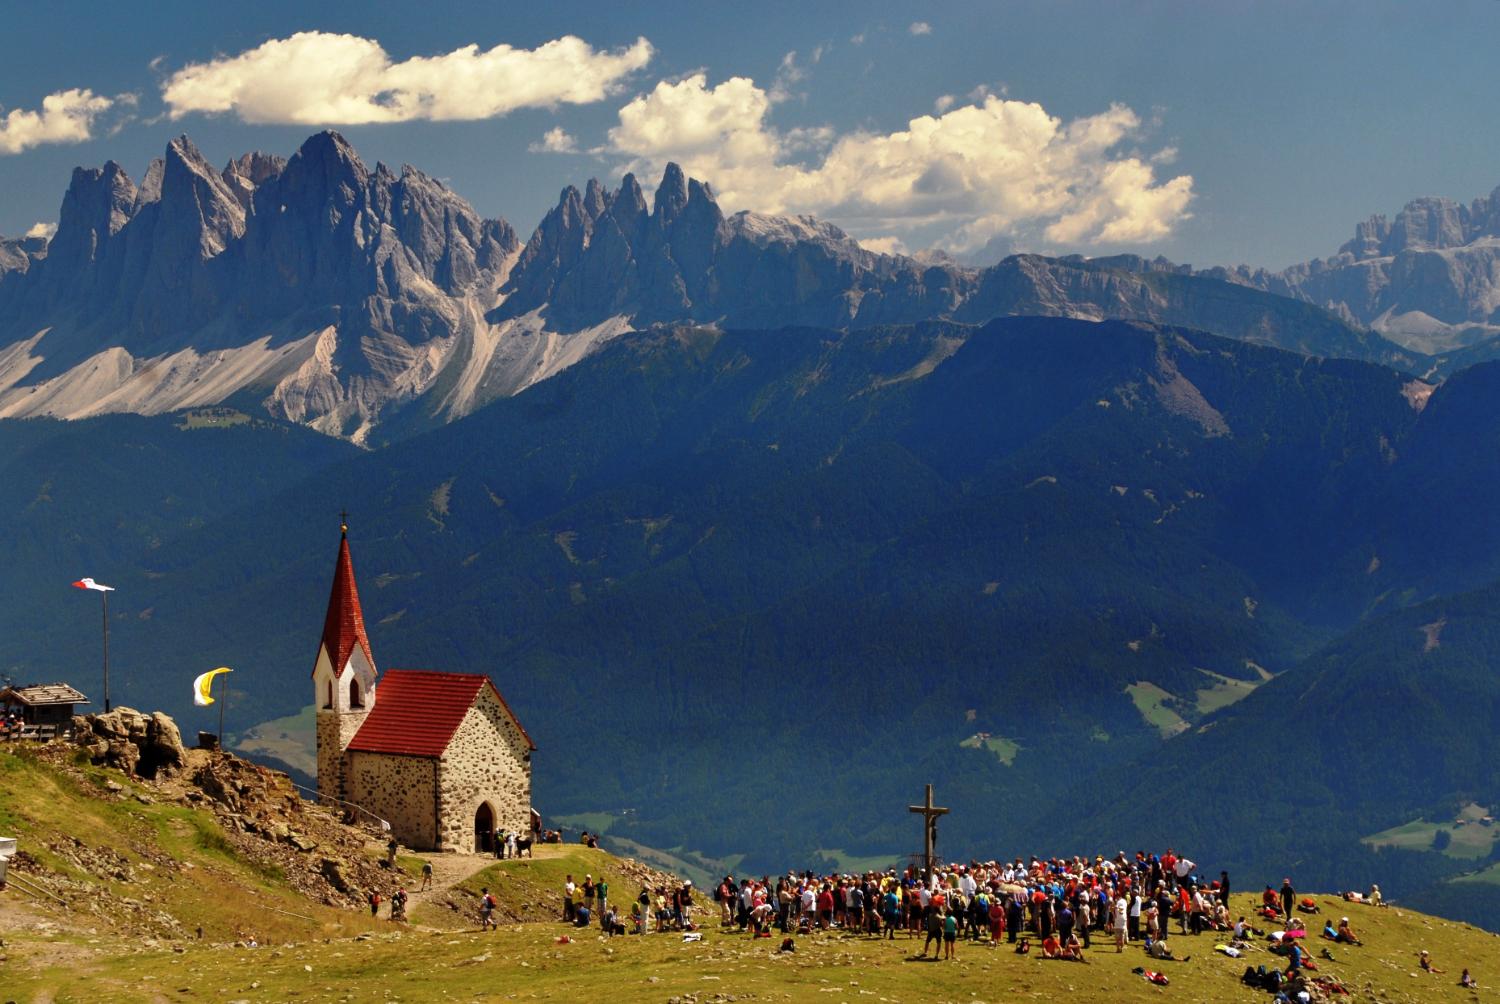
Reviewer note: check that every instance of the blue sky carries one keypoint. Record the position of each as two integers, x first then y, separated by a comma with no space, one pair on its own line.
1214,133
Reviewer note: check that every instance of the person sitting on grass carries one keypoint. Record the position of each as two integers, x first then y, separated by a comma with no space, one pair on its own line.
1329,932
1051,947
1345,933
1425,961
1159,950
1468,982
1072,949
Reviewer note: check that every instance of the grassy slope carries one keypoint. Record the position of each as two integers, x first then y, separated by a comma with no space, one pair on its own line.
176,859
526,961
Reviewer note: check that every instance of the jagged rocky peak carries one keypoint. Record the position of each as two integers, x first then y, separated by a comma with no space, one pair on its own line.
198,207
671,194
629,200
150,190
99,202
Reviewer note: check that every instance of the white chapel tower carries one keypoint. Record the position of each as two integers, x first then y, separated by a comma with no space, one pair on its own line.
343,676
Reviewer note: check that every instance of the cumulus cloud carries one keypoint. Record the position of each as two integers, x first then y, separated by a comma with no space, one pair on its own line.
43,230
920,28
944,102
66,117
972,173
555,140
318,78
884,245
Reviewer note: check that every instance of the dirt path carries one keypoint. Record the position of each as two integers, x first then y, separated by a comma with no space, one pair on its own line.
448,870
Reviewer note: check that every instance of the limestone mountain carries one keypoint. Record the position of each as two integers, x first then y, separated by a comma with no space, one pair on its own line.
371,304
1429,278
328,289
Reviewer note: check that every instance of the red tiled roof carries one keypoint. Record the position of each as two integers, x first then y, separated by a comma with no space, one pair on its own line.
344,625
417,711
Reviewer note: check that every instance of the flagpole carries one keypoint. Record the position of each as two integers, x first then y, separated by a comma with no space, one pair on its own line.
223,700
105,596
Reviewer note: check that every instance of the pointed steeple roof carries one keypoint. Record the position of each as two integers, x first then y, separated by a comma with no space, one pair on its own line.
344,624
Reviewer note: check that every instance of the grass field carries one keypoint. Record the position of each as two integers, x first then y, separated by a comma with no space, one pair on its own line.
1154,705
1005,750
528,962
1223,691
1473,840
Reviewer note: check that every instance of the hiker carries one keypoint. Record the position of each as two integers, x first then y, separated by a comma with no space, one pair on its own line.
398,906
512,844
601,897
390,853
950,935
1425,961
1288,897
1345,933
426,876
569,906
374,902
587,892
1121,916
934,927
486,910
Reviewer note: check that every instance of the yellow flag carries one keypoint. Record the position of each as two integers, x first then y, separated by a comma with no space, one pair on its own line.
201,686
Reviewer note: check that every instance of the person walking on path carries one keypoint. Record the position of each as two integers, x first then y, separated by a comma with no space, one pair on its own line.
426,876
1288,898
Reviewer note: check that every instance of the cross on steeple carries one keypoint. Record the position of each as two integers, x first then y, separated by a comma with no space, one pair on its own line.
343,521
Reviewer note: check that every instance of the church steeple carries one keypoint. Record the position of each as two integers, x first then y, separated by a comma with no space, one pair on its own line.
344,624
343,673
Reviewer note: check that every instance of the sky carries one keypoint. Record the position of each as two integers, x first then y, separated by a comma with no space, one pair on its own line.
1219,132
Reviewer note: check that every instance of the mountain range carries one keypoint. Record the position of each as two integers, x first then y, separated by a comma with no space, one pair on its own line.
370,304
759,530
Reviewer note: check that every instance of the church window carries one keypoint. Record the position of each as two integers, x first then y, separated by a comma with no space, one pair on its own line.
354,698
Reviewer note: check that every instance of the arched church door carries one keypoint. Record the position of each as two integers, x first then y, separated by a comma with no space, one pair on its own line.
484,829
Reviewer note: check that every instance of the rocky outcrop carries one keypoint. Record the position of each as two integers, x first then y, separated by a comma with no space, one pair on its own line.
147,746
1429,278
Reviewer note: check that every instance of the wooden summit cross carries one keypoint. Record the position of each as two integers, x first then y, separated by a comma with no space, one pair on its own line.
930,814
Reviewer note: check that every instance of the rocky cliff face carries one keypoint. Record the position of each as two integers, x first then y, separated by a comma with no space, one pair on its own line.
348,298
1429,279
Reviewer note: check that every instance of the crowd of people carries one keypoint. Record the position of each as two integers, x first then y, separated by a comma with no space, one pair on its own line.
1056,908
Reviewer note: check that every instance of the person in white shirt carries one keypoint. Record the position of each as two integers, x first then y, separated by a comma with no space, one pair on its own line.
1121,917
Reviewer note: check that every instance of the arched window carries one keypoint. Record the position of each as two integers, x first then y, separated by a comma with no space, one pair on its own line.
329,702
354,698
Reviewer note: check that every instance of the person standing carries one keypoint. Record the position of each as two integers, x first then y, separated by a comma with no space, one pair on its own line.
601,897
570,908
1288,899
426,876
1122,918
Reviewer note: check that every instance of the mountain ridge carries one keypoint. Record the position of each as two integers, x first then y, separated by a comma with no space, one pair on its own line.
371,304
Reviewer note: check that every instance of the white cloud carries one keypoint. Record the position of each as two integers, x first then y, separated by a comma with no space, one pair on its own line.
857,39
788,76
555,140
317,78
920,28
944,102
883,245
66,117
974,172
45,230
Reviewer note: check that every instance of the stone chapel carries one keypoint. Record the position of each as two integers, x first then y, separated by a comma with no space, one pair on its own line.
440,756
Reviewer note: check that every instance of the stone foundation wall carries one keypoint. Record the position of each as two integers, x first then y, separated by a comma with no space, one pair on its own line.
401,790
334,734
487,761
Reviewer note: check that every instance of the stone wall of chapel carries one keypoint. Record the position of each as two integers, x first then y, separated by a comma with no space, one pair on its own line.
399,789
488,760
334,734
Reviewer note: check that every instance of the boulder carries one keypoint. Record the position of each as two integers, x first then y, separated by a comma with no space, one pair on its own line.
333,870
122,755
161,747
